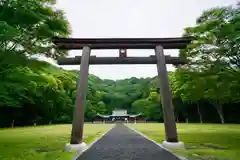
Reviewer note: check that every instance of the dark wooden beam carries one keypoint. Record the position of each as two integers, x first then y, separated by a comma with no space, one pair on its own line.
119,60
69,46
121,40
124,43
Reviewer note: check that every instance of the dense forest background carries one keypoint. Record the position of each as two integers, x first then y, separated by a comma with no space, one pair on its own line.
206,90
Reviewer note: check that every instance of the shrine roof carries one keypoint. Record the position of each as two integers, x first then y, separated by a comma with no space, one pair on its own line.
120,115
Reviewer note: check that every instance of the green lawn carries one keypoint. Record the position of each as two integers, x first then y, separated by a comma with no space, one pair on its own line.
205,141
24,143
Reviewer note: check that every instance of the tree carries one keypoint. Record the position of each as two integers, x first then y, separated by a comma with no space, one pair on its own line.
217,42
214,56
189,87
27,27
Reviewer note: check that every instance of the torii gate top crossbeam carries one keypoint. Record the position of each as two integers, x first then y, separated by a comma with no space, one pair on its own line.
126,43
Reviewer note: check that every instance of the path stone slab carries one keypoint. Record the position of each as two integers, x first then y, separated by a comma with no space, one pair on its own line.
121,143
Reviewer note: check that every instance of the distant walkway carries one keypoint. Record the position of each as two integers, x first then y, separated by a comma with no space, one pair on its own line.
121,143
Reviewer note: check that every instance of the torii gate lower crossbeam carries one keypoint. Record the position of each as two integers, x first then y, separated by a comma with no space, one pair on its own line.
171,141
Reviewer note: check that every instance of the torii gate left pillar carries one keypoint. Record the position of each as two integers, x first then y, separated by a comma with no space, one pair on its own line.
76,142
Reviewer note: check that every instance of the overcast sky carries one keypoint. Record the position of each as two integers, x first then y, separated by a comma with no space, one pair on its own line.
131,19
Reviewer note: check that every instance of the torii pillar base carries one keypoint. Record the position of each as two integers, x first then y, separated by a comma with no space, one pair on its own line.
173,145
75,147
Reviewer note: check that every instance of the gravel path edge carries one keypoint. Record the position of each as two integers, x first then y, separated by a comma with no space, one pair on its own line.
91,144
146,137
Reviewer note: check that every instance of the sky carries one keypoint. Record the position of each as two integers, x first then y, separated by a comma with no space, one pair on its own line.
131,19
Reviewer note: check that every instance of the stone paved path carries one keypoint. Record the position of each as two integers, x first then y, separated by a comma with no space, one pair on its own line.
121,143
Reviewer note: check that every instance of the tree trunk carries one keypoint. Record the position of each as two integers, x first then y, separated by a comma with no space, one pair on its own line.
186,120
177,119
219,109
220,113
12,125
199,113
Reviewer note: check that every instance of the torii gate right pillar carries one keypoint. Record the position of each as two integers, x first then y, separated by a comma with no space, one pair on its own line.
166,100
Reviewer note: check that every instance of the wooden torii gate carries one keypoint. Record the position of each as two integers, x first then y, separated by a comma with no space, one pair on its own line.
159,44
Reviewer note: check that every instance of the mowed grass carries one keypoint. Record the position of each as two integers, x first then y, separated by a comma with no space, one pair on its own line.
204,141
25,143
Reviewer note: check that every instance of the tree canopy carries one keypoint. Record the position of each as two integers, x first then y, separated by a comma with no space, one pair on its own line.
28,26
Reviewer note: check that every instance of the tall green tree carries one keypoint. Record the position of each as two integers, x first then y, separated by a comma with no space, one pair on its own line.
28,26
213,56
216,45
